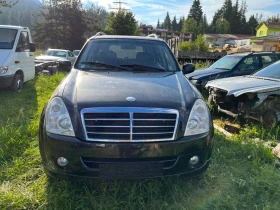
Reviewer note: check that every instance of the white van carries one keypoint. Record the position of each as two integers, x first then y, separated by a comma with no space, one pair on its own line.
16,57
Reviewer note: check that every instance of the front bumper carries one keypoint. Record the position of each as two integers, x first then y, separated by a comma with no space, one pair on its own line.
63,65
6,81
124,160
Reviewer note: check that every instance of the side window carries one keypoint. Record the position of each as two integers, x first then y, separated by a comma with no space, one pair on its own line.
267,60
249,63
23,42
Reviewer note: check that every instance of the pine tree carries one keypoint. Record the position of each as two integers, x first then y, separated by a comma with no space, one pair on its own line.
122,22
174,26
167,22
158,24
251,25
196,11
62,25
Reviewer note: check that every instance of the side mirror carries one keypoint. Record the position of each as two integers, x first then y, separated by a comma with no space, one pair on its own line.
32,47
188,68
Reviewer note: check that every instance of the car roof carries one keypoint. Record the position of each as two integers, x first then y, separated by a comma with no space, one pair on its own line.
125,37
252,53
12,27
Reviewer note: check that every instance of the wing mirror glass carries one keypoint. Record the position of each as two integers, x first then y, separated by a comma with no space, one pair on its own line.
188,68
32,47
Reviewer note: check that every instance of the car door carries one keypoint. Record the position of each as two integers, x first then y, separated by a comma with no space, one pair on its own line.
71,57
248,65
25,56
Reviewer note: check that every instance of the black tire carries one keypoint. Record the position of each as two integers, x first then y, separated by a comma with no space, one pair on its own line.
54,70
17,84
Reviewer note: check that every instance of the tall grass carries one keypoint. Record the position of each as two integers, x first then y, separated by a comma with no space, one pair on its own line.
243,173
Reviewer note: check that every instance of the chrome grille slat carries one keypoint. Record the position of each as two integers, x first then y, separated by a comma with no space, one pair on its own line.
113,119
129,124
153,119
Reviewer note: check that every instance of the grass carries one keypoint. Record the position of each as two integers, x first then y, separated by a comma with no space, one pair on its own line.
243,173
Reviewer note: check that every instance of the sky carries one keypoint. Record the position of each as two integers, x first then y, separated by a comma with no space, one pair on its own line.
150,11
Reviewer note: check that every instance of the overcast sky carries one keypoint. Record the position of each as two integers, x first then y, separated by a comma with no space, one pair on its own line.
149,11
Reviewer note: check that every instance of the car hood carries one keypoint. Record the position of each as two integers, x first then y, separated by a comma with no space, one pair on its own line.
204,73
244,84
111,89
50,58
4,54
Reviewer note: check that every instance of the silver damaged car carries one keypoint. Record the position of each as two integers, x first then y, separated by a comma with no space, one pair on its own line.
256,96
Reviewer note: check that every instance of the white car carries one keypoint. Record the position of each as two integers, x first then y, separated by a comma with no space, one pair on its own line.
65,57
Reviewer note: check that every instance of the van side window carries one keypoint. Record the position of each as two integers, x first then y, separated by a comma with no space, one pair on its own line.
23,42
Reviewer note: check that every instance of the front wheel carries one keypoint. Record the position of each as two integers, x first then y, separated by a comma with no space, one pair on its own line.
17,84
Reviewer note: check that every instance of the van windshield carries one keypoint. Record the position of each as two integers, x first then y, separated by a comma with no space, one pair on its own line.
7,38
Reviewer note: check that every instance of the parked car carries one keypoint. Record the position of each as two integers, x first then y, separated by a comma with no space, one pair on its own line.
65,58
17,57
256,96
76,53
233,65
125,111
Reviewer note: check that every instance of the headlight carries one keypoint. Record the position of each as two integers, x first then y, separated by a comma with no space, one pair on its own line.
195,82
3,69
57,118
198,122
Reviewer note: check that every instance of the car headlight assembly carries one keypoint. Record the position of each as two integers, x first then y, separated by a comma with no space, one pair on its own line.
195,81
3,69
198,122
57,119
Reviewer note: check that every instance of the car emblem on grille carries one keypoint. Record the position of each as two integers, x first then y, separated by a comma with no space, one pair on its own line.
131,99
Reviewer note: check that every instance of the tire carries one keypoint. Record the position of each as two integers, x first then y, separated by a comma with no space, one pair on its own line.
17,84
54,70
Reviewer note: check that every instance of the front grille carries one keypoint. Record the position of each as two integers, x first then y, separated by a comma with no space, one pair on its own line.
129,124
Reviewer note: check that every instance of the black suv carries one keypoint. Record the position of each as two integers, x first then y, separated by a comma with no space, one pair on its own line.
125,111
238,64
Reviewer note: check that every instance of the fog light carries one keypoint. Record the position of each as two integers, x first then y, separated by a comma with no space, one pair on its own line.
194,160
61,161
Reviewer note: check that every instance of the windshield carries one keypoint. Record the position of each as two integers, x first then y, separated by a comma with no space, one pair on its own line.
56,53
127,54
226,63
7,38
271,71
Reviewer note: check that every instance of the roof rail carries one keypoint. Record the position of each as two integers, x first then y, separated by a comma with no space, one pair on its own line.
100,33
153,35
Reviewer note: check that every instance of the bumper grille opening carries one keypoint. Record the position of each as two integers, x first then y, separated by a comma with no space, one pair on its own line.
129,124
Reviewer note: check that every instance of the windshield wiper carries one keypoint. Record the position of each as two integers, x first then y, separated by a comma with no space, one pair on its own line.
222,68
96,63
138,67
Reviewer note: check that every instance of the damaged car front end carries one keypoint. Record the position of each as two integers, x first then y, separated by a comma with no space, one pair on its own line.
256,96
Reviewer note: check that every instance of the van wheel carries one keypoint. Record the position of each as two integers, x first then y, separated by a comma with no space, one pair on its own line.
17,84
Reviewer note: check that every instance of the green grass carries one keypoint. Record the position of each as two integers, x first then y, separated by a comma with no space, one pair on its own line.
243,173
